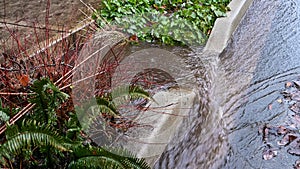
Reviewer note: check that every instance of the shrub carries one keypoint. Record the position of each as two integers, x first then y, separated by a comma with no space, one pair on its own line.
167,21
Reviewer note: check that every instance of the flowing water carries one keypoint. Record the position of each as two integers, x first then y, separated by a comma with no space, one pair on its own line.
238,90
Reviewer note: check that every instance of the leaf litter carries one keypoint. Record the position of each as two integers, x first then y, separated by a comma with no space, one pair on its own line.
287,135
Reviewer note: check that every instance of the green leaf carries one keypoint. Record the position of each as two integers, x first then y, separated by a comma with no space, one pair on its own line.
3,116
197,11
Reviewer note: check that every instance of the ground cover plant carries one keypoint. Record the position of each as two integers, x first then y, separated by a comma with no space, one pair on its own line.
167,21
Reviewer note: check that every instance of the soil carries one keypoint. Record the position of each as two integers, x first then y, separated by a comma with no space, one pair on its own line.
22,16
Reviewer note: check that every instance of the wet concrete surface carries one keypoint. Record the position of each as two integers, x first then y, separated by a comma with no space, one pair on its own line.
244,84
261,58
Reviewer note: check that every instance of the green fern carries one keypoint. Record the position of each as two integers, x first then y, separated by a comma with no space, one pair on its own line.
63,146
125,93
130,160
119,96
88,113
11,131
107,106
32,134
47,98
93,157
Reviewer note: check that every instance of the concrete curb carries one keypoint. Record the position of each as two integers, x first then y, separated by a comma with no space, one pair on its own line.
224,27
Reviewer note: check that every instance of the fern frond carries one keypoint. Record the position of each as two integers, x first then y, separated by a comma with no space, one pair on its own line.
137,92
123,94
106,106
129,160
47,97
11,131
94,162
99,157
47,94
32,134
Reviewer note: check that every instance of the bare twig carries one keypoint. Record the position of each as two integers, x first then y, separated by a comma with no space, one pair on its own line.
14,94
17,117
95,12
29,26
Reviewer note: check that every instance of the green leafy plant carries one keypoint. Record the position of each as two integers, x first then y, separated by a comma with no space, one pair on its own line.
41,143
47,98
4,113
92,157
34,135
107,107
167,21
21,140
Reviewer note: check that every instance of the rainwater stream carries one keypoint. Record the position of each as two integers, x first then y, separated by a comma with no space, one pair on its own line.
236,90
231,95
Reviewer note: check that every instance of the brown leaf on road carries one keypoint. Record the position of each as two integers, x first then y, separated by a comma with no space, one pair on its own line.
295,107
270,106
295,147
297,164
287,139
282,130
269,153
288,84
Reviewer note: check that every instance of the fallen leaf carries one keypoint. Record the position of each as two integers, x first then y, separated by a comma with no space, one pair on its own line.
297,164
288,84
133,38
23,79
270,106
295,107
282,130
287,139
269,153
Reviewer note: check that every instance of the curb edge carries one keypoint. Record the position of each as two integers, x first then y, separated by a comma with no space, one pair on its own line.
224,27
